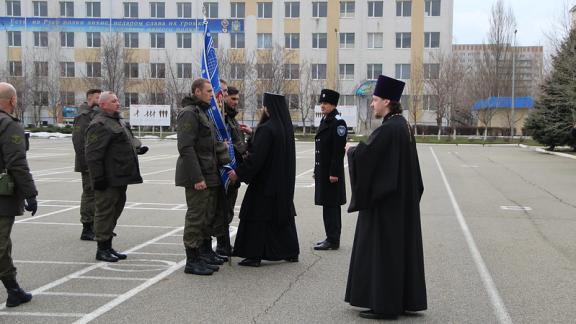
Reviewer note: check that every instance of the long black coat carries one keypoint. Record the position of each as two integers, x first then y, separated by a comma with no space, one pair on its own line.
387,266
13,159
330,147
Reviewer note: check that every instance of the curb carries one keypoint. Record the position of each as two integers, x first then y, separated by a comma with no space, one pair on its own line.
541,150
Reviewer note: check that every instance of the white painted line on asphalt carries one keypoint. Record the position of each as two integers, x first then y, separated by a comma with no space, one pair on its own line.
516,208
55,262
177,207
45,215
111,278
499,307
133,292
159,157
157,172
41,314
127,226
71,294
158,253
35,172
161,243
305,172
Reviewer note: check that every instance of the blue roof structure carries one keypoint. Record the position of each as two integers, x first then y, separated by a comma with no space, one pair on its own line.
504,103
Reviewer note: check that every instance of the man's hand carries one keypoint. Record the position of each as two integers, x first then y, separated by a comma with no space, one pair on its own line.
232,175
333,179
31,205
200,185
245,129
142,150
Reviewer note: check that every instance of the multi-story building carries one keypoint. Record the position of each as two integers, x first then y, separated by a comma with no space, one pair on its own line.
149,51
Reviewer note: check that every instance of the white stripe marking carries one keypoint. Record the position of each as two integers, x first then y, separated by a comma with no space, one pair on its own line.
112,278
45,215
158,253
499,308
156,172
161,243
70,294
41,314
128,226
55,262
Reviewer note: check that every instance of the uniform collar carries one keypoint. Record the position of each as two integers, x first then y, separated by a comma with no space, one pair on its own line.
9,115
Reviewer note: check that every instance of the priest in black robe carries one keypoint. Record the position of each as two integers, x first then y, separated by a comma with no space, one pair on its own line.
267,229
387,267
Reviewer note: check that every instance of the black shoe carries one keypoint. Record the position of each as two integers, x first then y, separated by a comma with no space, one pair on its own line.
103,253
212,267
292,259
369,314
17,296
120,256
194,265
211,259
321,242
250,263
87,232
223,247
326,245
209,256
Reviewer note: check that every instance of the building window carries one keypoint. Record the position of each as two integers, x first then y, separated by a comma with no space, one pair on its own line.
237,9
211,9
93,9
375,8
346,100
430,102
237,40
292,9
66,39
432,8
41,69
13,9
93,69
264,40
291,71
93,39
157,40
40,98
40,8
318,71
157,71
214,39
319,40
131,70
432,71
347,9
403,8
373,71
292,40
130,98
375,40
432,40
14,38
184,9
41,39
131,40
237,71
184,70
130,9
66,9
157,99
346,71
67,70
184,40
15,68
293,101
402,71
319,9
264,71
67,98
347,40
157,10
264,9
403,40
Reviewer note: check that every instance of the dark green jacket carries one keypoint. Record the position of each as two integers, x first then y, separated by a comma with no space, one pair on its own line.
81,122
13,159
197,145
110,154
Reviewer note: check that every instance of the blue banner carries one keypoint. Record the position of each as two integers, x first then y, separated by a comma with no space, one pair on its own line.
132,25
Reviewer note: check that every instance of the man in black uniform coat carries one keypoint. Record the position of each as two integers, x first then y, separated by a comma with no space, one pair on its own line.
330,189
387,266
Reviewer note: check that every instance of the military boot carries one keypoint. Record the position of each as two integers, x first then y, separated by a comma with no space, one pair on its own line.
16,295
120,256
208,255
87,232
223,247
103,253
194,265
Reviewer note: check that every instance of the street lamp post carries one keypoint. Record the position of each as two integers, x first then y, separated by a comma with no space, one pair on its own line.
513,121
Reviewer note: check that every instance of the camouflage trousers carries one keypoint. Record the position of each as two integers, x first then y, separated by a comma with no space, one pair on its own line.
109,204
7,269
206,215
87,200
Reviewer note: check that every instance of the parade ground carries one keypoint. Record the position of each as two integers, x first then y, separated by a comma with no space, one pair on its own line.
499,230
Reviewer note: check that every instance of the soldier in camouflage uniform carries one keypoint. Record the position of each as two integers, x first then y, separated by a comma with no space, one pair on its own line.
87,111
23,196
113,165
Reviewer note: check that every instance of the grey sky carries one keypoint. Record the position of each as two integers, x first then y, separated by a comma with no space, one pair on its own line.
534,18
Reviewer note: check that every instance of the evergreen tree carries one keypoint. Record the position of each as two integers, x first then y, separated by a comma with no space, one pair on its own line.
554,113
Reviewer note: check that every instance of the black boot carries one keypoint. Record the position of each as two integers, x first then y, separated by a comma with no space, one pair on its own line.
194,265
120,256
103,253
223,247
16,295
87,232
208,255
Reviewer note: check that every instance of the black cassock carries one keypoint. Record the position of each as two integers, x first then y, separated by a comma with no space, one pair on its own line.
267,228
387,267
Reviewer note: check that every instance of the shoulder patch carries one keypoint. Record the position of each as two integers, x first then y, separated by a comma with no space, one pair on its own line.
337,117
341,130
17,139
